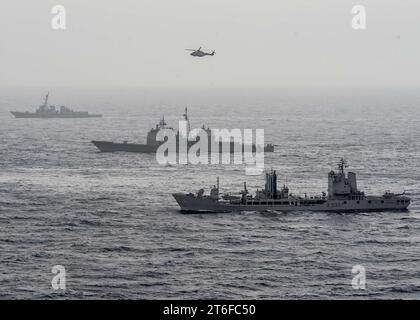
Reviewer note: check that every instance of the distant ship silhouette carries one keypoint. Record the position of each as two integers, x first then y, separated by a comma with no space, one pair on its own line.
47,111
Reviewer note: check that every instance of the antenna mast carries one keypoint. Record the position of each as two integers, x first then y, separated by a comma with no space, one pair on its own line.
46,99
162,122
188,120
341,165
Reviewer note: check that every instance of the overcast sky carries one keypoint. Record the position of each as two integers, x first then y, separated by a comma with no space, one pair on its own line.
257,43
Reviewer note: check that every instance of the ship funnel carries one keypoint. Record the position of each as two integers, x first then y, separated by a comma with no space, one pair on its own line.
352,181
271,184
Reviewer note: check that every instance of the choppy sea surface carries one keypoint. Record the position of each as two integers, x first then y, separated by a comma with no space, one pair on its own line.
110,220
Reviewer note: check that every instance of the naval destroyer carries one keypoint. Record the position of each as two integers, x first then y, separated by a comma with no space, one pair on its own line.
48,111
152,143
343,196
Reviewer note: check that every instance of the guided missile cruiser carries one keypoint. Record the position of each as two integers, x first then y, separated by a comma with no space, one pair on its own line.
343,196
152,143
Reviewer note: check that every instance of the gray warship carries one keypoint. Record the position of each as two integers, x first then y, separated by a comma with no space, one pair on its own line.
48,111
152,144
343,196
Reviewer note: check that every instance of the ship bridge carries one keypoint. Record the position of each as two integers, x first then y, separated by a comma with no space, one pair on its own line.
342,186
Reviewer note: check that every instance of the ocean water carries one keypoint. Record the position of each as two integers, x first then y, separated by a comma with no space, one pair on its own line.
110,220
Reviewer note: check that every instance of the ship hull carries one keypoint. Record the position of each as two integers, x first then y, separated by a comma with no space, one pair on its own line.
192,204
108,146
54,116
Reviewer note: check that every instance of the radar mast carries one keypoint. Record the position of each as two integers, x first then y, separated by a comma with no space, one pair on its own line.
46,100
187,120
341,165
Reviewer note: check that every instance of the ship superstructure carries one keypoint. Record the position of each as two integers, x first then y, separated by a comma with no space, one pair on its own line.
343,195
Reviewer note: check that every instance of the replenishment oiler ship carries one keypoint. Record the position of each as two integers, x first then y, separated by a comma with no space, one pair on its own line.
152,143
48,111
343,196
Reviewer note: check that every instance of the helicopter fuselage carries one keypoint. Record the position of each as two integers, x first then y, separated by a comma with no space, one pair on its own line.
201,54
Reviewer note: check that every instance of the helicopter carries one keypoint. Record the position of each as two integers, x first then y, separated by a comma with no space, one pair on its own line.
199,53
